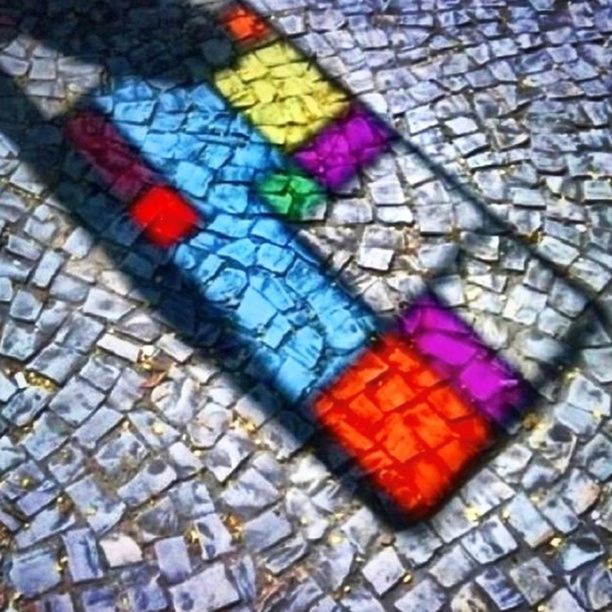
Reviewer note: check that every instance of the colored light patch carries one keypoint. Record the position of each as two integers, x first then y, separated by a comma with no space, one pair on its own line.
456,352
290,193
282,93
410,432
110,155
243,25
164,215
342,148
265,289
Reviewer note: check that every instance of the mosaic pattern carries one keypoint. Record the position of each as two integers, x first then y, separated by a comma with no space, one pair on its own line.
138,473
299,331
411,432
282,93
456,352
344,147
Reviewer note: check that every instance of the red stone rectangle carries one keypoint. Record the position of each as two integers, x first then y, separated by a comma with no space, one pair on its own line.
165,216
409,431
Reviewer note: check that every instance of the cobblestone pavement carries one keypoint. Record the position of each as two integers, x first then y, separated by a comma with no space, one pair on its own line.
138,472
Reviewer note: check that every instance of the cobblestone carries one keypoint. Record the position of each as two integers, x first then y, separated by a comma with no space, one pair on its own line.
141,469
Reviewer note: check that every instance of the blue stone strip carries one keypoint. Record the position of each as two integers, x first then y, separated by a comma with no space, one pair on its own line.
272,293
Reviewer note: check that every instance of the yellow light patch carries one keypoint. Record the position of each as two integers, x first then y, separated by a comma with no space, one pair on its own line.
282,93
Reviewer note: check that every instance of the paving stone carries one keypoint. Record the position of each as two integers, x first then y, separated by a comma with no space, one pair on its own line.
497,587
7,388
361,599
283,555
119,347
580,491
451,522
591,587
25,306
580,549
99,598
490,542
56,362
67,464
48,266
153,478
525,518
56,603
266,530
562,601
533,579
83,559
100,509
360,529
143,591
105,305
127,390
35,571
485,491
211,588
383,571
76,401
173,559
47,435
79,333
250,493
425,594
120,549
213,537
452,567
79,243
469,597
46,523
596,456
231,450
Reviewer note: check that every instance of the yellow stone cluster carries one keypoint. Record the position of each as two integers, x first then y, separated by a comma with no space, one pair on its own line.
282,93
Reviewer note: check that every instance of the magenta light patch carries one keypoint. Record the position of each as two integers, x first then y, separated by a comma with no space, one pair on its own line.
341,149
455,351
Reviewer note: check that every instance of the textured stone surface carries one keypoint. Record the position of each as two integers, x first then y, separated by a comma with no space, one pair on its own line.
141,470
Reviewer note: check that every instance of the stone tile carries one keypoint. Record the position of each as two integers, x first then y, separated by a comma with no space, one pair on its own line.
210,588
525,518
425,594
533,579
383,571
83,558
213,537
35,571
120,549
499,589
491,541
173,559
266,530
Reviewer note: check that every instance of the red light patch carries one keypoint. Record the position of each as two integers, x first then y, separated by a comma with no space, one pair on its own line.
244,25
164,215
406,428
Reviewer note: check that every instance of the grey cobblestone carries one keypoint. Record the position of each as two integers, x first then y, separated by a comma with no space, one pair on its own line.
134,473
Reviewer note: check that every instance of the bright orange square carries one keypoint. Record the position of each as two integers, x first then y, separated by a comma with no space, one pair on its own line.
412,442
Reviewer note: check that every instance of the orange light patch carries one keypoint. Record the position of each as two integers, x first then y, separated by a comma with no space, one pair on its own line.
412,441
244,25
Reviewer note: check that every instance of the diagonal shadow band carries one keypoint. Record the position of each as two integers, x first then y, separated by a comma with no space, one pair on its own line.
22,122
